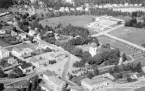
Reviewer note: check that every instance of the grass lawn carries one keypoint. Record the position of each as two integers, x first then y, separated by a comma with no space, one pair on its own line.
134,35
3,44
80,21
114,44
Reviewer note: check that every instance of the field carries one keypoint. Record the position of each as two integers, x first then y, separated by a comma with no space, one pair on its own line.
80,21
125,48
4,44
134,35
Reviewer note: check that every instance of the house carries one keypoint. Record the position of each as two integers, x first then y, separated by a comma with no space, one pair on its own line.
2,31
95,83
32,32
12,60
52,81
44,86
27,68
42,60
24,50
4,53
23,35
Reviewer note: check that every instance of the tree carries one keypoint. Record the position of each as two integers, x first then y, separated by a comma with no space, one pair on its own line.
18,72
90,75
2,87
76,51
96,72
116,68
2,74
124,57
138,67
79,64
107,45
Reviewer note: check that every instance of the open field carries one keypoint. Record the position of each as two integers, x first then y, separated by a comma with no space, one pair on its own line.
74,20
80,21
134,35
122,47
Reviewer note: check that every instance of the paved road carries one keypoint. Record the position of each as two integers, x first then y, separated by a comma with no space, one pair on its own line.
66,69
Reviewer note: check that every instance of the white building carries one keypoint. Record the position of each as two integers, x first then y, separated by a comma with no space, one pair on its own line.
93,84
2,31
32,32
52,81
79,8
4,53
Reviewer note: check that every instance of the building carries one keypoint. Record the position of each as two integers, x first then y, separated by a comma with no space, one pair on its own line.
2,31
42,60
44,86
27,68
4,53
95,83
93,49
23,35
24,50
12,60
52,81
32,32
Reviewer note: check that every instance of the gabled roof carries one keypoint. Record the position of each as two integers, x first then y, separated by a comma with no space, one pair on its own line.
94,81
49,73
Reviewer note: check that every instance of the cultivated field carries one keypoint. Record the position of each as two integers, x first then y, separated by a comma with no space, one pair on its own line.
134,35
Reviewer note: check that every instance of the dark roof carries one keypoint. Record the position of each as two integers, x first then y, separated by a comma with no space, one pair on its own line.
26,65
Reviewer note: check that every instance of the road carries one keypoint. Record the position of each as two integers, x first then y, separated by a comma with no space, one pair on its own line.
66,69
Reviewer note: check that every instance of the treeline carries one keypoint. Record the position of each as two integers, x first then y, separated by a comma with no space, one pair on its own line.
133,22
6,3
56,4
94,2
92,11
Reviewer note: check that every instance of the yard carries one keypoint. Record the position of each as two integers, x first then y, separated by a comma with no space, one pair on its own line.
80,21
134,35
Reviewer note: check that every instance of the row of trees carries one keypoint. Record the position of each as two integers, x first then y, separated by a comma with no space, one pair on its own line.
94,2
56,4
119,71
92,11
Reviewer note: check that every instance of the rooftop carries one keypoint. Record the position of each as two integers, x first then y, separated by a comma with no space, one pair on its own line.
26,65
45,57
43,84
94,80
32,46
53,77
49,73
